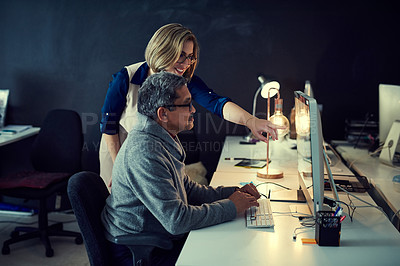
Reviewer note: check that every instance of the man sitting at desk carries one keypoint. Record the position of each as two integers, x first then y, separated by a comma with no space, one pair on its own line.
151,192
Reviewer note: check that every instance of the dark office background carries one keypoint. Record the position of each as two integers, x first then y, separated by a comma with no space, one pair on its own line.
61,54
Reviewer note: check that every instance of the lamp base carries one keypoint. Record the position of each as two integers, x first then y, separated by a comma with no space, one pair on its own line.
272,173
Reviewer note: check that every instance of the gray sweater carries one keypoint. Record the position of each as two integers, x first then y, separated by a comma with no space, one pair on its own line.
152,193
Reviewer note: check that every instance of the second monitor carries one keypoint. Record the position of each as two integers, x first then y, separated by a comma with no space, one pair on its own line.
311,155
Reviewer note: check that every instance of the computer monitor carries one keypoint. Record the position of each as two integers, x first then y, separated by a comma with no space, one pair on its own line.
3,105
389,109
311,155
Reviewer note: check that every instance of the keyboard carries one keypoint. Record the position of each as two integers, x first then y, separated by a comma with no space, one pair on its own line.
260,216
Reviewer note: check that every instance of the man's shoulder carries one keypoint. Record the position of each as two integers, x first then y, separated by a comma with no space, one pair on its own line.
143,141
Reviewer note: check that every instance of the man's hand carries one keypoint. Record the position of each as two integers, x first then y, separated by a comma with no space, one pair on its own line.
250,189
243,201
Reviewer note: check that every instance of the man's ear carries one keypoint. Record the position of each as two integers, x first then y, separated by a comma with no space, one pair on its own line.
162,114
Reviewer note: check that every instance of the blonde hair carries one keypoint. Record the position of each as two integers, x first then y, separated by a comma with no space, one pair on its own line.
166,45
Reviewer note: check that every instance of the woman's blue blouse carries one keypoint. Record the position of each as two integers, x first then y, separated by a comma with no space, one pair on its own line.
115,101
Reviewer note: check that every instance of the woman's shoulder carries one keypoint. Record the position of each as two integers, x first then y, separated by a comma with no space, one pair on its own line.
134,67
195,78
197,83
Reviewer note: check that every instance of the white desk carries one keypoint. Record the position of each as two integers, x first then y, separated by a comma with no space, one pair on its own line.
379,175
281,154
370,240
7,139
233,149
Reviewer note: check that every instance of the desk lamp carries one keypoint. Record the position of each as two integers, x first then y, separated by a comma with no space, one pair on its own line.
265,86
278,119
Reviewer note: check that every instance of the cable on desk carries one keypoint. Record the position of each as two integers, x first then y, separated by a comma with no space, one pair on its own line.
362,180
377,150
295,234
284,213
351,204
304,225
394,215
306,216
348,208
352,163
396,155
368,204
276,184
267,197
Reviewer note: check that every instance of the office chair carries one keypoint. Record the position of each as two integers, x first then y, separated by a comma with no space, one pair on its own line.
55,156
88,193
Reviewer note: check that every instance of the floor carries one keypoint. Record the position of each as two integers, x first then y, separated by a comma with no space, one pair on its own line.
32,252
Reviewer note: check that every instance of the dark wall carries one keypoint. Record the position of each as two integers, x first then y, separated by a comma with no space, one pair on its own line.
61,54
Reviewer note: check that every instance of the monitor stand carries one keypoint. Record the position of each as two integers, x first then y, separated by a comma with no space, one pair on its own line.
389,148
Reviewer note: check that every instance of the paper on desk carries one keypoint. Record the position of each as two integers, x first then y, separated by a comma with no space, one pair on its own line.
251,163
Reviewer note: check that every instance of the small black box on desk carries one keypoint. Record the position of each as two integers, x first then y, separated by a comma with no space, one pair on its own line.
327,229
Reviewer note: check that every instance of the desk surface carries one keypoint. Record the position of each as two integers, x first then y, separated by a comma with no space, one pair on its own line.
379,175
7,139
282,154
233,149
369,240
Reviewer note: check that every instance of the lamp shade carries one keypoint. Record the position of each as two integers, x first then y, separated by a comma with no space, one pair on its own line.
266,85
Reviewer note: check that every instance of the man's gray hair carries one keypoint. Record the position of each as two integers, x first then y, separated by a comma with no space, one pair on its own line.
158,90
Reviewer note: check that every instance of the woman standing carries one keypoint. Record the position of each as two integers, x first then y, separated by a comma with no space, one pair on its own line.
173,48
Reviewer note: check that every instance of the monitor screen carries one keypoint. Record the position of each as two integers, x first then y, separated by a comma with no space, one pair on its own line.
310,150
389,109
3,105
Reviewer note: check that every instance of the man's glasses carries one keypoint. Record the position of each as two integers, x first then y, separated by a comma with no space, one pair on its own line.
190,105
182,58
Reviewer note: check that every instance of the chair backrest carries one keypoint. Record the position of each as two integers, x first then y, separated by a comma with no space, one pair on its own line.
88,193
58,146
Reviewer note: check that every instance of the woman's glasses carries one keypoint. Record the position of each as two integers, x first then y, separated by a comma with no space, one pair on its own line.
182,59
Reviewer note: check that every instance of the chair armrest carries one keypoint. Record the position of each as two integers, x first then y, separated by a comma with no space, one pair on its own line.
142,239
